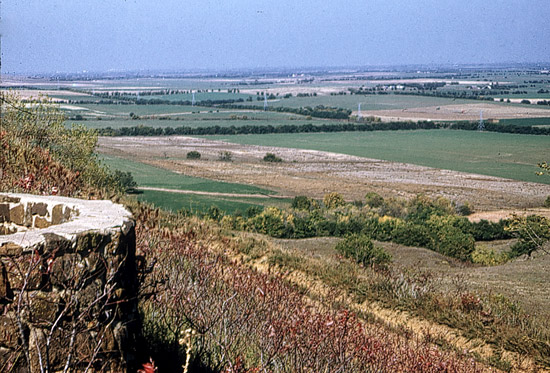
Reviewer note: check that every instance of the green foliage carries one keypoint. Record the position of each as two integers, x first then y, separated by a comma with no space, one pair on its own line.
42,125
374,200
125,181
362,250
547,202
301,203
450,236
488,257
452,242
422,208
193,154
533,232
271,221
464,209
214,213
333,200
253,211
411,234
484,230
270,157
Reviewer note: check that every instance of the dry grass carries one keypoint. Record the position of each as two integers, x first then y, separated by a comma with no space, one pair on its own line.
313,264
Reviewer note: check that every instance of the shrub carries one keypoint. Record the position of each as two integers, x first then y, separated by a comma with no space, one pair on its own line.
301,203
39,130
533,232
451,241
193,154
125,181
374,200
333,200
253,211
362,250
410,234
422,208
488,257
270,157
225,156
464,209
547,202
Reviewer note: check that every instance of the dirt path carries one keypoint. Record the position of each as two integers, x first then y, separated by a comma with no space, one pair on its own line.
217,194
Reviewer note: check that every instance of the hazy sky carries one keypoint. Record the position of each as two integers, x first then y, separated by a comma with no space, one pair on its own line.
98,35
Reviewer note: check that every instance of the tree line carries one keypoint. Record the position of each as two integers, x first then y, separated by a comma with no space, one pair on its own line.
310,128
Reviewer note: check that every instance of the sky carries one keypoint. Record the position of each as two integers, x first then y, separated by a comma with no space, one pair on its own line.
48,36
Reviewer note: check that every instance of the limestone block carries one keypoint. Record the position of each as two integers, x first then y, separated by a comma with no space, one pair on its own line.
4,212
10,249
40,208
40,222
17,214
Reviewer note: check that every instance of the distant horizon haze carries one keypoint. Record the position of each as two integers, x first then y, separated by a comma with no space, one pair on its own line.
137,35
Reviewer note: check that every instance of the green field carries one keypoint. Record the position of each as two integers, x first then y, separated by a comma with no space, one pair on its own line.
496,154
197,203
368,102
256,120
150,176
526,121
199,96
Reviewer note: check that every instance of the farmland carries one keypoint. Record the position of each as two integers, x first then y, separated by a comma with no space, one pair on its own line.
427,290
502,155
161,181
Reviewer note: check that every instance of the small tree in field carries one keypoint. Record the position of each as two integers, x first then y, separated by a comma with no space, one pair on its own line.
270,157
225,156
193,154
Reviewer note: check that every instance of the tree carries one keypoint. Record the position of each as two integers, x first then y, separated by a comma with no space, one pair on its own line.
533,233
126,181
270,157
193,154
225,156
333,200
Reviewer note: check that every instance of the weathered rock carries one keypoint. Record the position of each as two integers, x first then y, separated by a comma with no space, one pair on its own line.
25,272
4,212
5,290
60,214
40,222
40,209
44,307
17,214
9,199
10,249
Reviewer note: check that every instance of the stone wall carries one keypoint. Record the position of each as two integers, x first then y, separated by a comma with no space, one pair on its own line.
68,285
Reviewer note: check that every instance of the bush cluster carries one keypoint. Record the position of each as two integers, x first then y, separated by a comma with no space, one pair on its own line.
422,222
362,250
270,157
